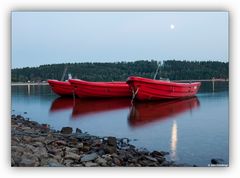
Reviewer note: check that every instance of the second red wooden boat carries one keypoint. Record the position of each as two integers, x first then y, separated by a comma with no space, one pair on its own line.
61,88
148,89
100,89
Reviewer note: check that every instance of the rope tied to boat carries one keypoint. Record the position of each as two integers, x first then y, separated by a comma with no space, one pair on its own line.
134,93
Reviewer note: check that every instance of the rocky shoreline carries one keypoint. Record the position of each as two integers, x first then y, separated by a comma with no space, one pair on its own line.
37,145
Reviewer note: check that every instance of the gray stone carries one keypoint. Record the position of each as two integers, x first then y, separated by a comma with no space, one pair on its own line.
40,152
89,157
54,164
117,161
68,162
16,157
39,139
151,158
73,156
28,160
101,161
90,164
217,161
157,154
38,144
78,130
97,142
27,139
61,142
86,148
107,157
66,130
29,148
73,150
79,145
17,149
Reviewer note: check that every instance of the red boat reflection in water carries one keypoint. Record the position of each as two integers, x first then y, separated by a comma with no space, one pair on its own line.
146,112
61,104
90,106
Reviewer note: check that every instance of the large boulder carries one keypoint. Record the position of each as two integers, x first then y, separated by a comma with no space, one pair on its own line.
66,130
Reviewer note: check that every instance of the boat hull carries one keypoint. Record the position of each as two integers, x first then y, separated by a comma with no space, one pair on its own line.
148,89
61,88
100,89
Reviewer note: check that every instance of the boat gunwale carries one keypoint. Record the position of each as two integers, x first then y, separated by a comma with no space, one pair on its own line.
161,82
99,84
57,82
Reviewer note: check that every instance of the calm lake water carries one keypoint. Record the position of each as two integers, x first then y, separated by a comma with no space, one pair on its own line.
193,130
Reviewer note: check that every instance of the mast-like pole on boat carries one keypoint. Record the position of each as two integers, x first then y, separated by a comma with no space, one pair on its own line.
64,73
159,64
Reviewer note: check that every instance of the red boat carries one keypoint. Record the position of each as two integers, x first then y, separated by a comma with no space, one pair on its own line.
148,89
147,112
100,89
61,88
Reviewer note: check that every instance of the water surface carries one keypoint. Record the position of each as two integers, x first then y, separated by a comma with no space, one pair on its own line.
193,130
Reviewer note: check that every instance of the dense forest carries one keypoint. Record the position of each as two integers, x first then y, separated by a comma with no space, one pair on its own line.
119,71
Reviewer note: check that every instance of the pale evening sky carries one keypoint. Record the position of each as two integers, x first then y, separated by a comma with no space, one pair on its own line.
62,37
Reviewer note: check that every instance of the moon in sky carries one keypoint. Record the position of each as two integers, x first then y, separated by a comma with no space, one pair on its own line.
172,26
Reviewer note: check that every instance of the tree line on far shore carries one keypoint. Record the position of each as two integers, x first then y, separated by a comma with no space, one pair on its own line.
120,71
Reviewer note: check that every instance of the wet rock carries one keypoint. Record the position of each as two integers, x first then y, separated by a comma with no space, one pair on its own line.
151,158
66,130
78,130
112,141
19,117
89,157
156,154
164,153
110,149
217,161
161,159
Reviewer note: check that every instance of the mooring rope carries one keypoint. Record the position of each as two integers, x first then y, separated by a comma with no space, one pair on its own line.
134,94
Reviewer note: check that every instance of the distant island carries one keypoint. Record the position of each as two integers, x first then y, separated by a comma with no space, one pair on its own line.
119,71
